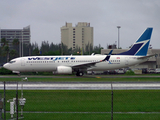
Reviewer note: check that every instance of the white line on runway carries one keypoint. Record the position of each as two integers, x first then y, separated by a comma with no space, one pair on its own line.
81,86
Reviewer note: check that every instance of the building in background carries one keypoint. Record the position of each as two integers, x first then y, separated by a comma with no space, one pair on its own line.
77,37
23,35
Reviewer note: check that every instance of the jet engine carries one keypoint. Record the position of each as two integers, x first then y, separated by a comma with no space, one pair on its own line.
64,70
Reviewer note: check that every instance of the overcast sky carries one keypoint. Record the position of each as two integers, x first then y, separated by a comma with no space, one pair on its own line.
45,18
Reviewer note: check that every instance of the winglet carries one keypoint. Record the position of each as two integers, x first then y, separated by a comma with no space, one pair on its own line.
108,56
110,52
92,54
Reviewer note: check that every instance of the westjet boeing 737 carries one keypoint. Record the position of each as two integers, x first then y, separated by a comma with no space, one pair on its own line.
68,64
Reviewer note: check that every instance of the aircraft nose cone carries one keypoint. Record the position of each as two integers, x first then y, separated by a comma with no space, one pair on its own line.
7,66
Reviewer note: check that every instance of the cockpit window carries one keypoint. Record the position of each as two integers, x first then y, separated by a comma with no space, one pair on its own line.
12,62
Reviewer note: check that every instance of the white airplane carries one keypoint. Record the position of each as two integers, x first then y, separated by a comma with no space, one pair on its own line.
69,64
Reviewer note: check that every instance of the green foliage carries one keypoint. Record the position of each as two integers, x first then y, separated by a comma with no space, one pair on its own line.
15,42
6,48
36,51
4,71
36,73
129,72
4,41
12,54
52,53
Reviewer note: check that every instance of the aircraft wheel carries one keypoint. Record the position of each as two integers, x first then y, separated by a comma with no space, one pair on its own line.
79,73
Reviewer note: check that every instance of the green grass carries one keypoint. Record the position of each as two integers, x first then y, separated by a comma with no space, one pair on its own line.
93,101
85,79
75,116
69,116
89,116
133,101
94,117
89,101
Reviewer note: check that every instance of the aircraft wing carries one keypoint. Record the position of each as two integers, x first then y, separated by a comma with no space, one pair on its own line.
87,65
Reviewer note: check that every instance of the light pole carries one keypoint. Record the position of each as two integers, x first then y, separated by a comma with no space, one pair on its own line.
118,35
22,43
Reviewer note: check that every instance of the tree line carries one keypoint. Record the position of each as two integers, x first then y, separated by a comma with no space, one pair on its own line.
14,49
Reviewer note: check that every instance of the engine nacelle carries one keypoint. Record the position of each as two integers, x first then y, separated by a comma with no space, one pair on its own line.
64,70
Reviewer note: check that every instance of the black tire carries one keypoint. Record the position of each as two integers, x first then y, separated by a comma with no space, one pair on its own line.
79,73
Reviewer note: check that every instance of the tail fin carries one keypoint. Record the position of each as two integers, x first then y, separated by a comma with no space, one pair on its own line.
140,47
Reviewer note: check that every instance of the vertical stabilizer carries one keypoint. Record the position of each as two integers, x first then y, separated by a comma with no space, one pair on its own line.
140,47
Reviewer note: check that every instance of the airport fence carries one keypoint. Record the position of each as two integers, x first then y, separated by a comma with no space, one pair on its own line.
77,104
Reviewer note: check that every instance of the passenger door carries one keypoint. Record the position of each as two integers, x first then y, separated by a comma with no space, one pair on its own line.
22,62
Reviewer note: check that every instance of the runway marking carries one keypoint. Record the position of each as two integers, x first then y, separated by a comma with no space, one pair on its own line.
81,86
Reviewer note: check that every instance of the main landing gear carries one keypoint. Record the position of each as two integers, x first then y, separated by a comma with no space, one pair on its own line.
79,73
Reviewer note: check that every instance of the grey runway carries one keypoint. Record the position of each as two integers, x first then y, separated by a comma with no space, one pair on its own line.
81,85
